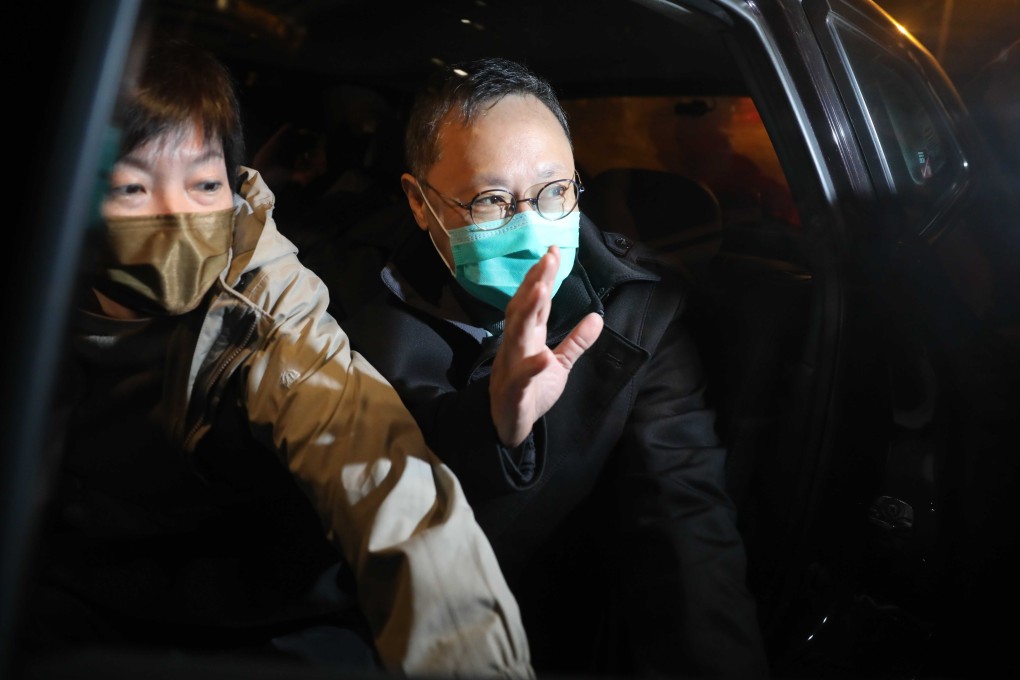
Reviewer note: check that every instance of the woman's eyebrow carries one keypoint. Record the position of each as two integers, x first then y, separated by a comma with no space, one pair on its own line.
138,161
208,156
143,160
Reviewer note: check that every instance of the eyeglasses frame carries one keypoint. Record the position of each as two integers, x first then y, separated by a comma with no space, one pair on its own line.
514,200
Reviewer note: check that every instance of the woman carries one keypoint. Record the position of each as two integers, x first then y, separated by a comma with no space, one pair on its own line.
201,358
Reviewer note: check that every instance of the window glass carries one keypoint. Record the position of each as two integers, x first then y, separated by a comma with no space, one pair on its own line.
718,141
918,159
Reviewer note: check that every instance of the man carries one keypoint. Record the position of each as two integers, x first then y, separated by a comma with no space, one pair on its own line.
546,363
202,358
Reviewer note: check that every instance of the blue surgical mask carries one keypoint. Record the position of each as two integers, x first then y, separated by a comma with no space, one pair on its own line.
491,264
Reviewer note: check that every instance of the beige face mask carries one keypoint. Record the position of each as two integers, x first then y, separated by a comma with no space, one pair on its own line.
164,264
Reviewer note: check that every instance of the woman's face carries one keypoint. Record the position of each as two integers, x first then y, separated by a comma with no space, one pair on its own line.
175,173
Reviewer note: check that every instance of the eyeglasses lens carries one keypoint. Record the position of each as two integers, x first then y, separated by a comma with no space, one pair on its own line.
493,209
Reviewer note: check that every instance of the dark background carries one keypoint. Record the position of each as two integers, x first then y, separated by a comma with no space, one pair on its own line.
963,35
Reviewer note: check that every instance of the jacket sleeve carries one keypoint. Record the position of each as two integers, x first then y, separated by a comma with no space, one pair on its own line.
428,581
691,612
448,396
458,426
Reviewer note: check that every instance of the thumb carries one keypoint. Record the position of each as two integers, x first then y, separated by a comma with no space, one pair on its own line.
580,339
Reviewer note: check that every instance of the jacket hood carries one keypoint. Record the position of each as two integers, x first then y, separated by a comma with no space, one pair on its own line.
257,241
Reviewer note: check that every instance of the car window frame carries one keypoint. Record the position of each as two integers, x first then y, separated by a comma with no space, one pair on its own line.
57,205
895,45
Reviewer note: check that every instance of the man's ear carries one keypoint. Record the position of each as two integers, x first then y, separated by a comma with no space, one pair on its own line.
415,200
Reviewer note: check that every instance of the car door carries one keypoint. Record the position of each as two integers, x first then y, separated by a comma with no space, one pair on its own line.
870,470
67,91
921,474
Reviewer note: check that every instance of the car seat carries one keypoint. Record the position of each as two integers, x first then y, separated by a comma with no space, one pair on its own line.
677,216
748,308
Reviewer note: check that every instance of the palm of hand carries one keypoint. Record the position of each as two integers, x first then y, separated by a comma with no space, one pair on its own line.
527,376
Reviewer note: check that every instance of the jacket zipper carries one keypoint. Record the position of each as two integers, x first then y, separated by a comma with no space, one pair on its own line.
226,363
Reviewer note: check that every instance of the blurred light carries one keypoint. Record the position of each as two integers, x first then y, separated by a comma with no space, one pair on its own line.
466,21
901,29
262,22
460,72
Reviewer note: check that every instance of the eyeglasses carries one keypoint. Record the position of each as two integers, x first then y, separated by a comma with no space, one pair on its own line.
493,208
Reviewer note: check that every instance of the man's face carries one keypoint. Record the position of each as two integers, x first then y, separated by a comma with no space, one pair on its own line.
171,174
517,145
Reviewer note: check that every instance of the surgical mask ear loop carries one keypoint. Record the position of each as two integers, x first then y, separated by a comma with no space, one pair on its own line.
440,222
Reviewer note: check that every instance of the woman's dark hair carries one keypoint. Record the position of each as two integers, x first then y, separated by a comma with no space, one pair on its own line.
468,88
180,86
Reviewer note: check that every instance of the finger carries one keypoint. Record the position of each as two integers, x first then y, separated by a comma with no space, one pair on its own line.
554,253
579,340
538,272
545,269
532,301
550,264
525,310
528,310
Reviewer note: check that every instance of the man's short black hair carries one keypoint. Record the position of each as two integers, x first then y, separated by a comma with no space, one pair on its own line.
468,88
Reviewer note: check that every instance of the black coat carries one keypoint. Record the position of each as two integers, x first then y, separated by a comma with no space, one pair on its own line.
611,522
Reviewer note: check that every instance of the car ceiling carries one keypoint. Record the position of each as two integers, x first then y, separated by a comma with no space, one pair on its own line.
585,47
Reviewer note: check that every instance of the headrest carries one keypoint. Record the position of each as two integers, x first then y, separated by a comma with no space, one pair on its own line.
677,216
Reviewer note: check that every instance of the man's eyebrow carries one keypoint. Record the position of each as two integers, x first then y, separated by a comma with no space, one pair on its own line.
549,171
552,170
490,179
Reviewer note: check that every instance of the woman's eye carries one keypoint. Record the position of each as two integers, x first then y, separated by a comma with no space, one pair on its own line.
127,190
210,186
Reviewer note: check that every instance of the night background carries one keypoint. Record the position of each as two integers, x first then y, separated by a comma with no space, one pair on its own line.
963,35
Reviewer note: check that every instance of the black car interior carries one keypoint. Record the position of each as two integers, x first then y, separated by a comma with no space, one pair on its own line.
750,273
350,70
